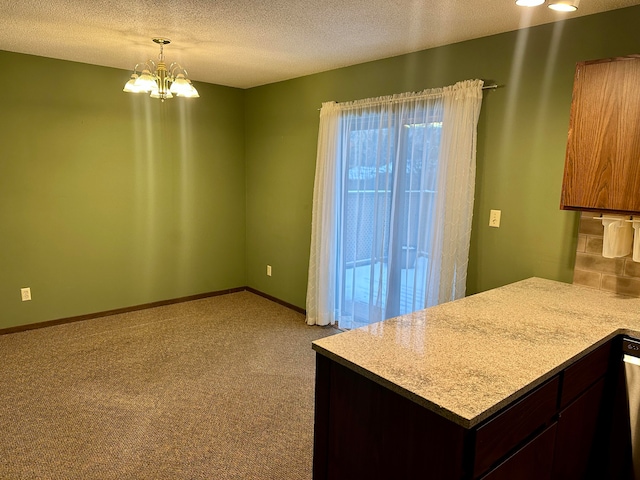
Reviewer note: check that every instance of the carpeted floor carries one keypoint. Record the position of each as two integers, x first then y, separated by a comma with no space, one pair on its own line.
219,388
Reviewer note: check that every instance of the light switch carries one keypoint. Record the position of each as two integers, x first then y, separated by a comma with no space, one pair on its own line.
25,293
494,218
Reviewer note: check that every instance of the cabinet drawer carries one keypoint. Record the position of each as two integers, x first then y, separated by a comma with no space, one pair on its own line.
532,462
506,430
583,373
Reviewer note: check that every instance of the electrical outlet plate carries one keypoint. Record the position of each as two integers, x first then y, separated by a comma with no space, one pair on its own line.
25,293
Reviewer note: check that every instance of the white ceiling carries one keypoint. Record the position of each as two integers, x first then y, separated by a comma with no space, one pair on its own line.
245,43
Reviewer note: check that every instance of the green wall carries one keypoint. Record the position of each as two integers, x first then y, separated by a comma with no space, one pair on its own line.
109,199
521,145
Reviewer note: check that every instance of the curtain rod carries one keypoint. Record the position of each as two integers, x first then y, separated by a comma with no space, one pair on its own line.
484,87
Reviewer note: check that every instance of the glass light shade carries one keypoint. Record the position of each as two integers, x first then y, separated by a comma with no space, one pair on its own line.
180,85
529,3
191,93
130,86
155,93
564,6
146,82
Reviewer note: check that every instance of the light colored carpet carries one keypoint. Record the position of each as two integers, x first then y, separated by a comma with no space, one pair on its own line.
219,388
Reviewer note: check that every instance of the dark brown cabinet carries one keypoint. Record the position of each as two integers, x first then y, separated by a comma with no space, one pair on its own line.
366,431
602,165
577,456
533,461
509,429
560,430
584,420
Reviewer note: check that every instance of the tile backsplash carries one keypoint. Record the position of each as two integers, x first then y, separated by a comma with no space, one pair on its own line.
620,275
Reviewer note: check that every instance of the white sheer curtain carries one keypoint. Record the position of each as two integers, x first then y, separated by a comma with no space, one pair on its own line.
392,204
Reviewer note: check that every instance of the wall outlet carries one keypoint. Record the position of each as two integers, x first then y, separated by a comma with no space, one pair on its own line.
25,293
268,270
494,218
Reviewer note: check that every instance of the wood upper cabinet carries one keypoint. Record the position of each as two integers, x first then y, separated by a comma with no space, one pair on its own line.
602,166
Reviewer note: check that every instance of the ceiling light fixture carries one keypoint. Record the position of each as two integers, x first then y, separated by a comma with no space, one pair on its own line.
564,5
557,5
159,81
529,3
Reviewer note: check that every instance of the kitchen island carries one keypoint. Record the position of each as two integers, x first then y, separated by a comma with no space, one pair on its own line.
423,393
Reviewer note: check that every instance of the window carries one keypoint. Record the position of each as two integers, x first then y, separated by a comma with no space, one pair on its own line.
384,200
386,195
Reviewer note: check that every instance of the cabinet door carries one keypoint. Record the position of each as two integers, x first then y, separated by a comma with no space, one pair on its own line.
584,373
531,462
366,431
578,449
603,147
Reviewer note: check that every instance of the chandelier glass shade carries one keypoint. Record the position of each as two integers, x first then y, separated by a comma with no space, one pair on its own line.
564,5
557,5
159,81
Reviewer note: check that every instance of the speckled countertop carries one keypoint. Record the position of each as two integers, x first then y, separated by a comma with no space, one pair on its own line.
469,358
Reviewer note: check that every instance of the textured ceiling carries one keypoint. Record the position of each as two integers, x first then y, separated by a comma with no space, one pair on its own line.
245,43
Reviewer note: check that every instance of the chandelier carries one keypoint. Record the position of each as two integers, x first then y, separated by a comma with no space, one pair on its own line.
158,80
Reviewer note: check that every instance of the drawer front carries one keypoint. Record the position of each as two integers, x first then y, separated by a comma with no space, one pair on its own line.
583,373
532,462
504,432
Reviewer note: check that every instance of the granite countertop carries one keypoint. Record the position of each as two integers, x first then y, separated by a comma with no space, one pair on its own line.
469,358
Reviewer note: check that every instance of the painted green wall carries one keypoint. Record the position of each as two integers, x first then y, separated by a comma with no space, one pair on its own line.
521,146
109,199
